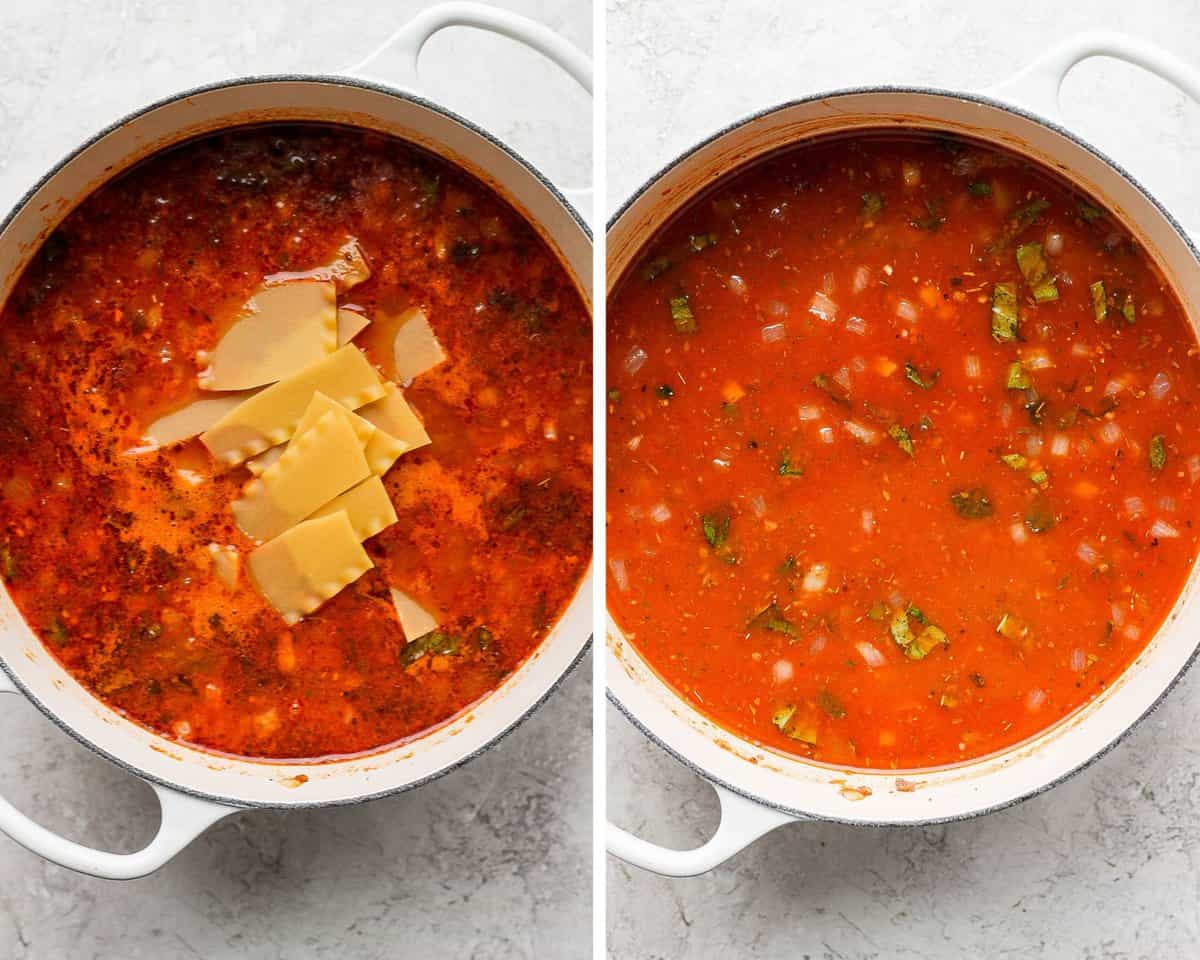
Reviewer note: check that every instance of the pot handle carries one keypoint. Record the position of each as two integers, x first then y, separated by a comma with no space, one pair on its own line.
742,822
407,41
184,818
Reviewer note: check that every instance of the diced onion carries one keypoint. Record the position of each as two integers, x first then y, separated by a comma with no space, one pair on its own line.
861,433
1035,699
1081,350
816,577
634,442
819,642
809,412
1160,386
737,285
911,174
1078,660
870,654
1036,360
862,276
1060,446
1135,507
660,513
972,366
782,671
1087,553
1006,412
1167,504
758,505
896,599
1018,533
826,434
1110,433
1193,465
856,325
773,332
842,378
1132,631
1054,243
550,430
620,577
823,308
1113,387
907,310
1118,615
858,364
868,521
634,361
1163,530
827,284
1033,445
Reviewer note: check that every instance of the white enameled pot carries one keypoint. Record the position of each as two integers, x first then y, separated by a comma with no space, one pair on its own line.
195,788
760,789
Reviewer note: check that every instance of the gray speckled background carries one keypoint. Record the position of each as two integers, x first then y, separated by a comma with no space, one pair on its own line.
1105,866
491,862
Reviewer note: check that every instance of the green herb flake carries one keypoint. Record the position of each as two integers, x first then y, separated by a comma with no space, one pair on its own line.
1039,478
1036,271
701,241
437,643
1128,310
972,503
772,619
903,440
8,564
656,268
614,395
1158,452
1039,515
878,611
830,705
872,205
681,314
1099,301
1006,316
666,391
932,220
925,382
1027,215
787,468
1036,409
1015,460
916,646
484,638
980,188
1088,213
716,527
1017,377
59,634
831,389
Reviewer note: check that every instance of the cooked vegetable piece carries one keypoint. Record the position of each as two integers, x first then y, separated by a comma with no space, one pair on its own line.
773,620
903,439
979,188
1015,460
932,219
972,503
872,205
1099,301
787,468
1039,515
1006,316
681,314
1158,452
657,267
831,705
831,389
925,382
716,527
1017,377
1036,271
1128,310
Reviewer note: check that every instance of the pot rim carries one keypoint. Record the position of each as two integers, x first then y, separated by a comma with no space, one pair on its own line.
982,100
332,80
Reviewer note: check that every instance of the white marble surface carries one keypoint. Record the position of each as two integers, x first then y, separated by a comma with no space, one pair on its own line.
490,862
1105,866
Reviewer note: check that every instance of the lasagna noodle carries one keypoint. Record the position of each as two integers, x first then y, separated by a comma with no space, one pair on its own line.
302,568
280,330
350,323
415,620
325,461
394,416
416,347
367,505
193,419
272,415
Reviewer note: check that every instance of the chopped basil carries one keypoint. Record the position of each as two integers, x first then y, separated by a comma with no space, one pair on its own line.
913,375
1039,515
787,468
916,646
1128,310
1006,317
1018,377
656,267
1026,215
980,188
681,314
614,395
831,705
1099,301
772,619
1158,452
1088,213
872,205
666,391
972,503
1015,460
903,439
932,220
1035,270
831,389
716,527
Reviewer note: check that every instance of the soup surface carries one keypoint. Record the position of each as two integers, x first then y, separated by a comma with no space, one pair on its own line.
902,456
106,549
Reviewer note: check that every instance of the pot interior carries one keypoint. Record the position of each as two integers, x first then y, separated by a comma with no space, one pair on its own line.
807,788
271,783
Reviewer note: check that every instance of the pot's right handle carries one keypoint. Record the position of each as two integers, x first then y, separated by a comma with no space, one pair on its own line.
742,822
406,44
183,819
1037,86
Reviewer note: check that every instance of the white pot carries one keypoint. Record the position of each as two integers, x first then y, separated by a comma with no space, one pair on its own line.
759,788
196,788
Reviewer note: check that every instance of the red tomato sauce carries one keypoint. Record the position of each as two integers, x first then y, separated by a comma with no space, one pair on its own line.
106,554
853,514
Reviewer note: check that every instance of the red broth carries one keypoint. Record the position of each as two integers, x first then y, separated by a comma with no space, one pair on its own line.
105,554
842,523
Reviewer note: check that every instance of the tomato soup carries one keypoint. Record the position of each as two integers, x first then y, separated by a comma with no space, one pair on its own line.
124,558
902,456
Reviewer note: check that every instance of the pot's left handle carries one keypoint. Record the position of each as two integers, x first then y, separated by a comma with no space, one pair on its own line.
184,818
742,822
406,43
